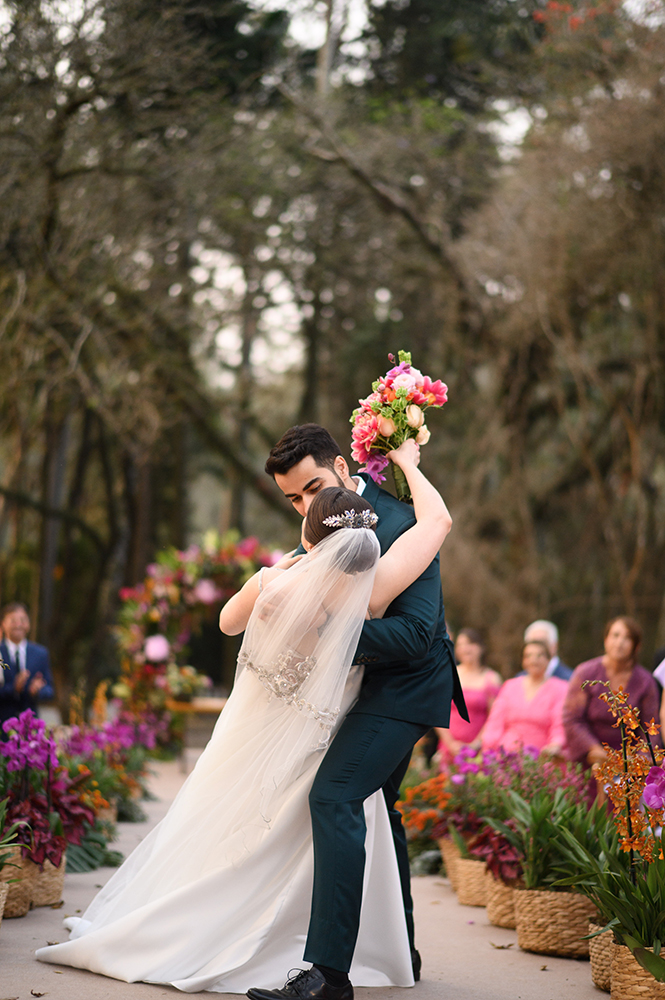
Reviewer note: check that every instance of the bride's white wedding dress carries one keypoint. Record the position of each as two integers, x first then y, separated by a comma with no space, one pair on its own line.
217,896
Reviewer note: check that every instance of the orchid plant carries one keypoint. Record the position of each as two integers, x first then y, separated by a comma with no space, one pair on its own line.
460,800
626,879
43,800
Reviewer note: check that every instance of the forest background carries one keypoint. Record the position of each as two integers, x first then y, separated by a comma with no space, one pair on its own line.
211,231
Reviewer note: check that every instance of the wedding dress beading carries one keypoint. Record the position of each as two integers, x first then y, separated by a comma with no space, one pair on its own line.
217,896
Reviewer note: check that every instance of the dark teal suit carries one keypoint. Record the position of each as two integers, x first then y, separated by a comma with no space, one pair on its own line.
409,681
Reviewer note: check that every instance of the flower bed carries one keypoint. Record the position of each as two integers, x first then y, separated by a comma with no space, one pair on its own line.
181,591
56,790
461,799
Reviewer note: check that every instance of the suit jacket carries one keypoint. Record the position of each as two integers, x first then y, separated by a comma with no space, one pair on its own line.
410,672
562,670
37,662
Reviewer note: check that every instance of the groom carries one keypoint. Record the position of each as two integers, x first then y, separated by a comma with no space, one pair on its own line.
409,681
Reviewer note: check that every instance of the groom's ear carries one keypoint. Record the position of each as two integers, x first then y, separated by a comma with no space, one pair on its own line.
342,469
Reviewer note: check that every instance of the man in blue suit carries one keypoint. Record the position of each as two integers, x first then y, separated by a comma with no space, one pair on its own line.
26,679
409,681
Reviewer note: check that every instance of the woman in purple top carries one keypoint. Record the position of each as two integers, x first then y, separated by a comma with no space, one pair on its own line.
587,720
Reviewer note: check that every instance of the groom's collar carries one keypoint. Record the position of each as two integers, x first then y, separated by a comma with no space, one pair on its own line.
370,488
361,483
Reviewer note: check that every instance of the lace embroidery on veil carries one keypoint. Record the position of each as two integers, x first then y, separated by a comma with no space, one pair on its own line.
305,626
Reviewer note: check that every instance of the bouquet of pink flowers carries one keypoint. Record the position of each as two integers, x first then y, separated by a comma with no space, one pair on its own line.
393,412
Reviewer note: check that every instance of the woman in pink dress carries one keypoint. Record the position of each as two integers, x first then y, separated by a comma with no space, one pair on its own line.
528,709
480,686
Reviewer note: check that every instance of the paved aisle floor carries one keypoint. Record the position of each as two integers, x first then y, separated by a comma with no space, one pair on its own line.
460,961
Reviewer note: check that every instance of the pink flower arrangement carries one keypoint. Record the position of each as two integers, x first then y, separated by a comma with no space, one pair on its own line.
157,648
393,412
206,592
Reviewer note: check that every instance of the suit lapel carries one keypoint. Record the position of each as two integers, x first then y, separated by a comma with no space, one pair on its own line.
12,669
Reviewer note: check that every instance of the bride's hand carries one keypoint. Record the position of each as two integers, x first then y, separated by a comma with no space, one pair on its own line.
408,453
287,560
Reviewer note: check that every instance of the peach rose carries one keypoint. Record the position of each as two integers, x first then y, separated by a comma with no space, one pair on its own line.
386,426
414,416
423,435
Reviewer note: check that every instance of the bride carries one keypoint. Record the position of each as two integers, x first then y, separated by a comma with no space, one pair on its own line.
217,896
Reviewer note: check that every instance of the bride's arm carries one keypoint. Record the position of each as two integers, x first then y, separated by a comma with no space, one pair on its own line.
413,551
235,614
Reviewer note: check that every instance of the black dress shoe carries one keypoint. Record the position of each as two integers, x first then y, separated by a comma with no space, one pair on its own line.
417,963
308,984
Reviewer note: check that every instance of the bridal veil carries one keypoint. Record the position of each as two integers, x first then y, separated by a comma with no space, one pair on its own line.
217,896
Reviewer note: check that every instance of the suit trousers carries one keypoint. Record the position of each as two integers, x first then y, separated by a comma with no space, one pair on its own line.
370,752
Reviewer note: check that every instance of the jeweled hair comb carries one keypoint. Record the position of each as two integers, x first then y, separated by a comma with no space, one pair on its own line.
352,519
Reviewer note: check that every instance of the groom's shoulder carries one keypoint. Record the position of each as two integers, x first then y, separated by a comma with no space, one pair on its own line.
392,512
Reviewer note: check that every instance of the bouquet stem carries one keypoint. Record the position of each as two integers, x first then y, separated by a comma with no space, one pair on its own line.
401,485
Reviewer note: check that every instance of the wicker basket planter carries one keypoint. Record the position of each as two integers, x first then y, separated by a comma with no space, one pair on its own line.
19,892
108,814
470,875
601,949
500,902
553,923
630,981
4,889
46,885
450,853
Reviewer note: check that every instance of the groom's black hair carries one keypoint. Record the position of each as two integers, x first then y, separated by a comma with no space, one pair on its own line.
299,442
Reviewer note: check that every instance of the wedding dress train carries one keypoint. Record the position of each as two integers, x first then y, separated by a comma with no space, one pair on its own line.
217,896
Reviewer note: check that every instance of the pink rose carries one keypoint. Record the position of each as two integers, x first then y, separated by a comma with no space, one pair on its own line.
206,592
374,397
156,648
404,381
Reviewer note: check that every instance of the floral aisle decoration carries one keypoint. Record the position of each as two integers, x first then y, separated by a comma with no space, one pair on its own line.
460,800
393,412
626,877
109,766
8,852
44,801
182,589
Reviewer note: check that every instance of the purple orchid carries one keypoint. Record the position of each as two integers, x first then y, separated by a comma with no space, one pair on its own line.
374,466
654,789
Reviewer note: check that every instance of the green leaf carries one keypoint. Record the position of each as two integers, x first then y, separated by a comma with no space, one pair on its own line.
652,963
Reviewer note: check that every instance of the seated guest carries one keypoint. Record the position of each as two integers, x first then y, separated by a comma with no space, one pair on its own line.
27,675
588,721
527,709
480,685
659,677
547,632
